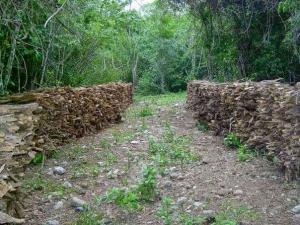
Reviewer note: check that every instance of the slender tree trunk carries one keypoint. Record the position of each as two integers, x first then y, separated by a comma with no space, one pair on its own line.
11,58
134,69
45,58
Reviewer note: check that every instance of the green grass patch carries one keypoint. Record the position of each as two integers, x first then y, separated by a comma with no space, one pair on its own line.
69,152
145,111
89,216
244,153
163,99
105,144
38,183
232,215
38,158
232,141
165,211
172,148
122,136
168,215
131,198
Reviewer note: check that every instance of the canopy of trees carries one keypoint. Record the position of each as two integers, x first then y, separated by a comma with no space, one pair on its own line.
159,48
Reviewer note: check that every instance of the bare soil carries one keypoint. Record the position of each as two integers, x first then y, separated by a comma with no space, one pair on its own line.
215,181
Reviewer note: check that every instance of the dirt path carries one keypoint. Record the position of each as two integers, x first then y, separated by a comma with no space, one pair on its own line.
203,180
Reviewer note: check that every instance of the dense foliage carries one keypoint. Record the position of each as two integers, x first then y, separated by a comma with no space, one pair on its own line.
82,42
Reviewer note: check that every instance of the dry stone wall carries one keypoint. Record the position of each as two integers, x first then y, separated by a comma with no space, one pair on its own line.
265,115
31,122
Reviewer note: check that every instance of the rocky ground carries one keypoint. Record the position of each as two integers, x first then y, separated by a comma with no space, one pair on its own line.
199,182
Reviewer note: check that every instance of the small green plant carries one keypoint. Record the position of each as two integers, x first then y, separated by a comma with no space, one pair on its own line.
171,149
38,183
146,189
186,219
69,151
231,215
144,126
123,197
156,147
110,158
244,153
38,158
146,111
232,141
122,136
165,211
169,134
85,169
130,198
105,143
202,126
88,217
161,160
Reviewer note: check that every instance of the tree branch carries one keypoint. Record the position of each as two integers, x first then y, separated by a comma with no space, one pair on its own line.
55,13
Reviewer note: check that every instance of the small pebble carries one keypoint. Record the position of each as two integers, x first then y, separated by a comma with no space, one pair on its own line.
238,192
77,202
59,170
101,163
197,204
79,209
52,222
59,205
208,212
296,209
167,185
181,200
67,184
84,185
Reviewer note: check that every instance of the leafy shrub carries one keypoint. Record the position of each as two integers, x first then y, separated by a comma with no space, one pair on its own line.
146,111
105,144
132,197
244,153
172,148
165,211
38,158
146,189
123,198
232,141
186,219
88,217
231,215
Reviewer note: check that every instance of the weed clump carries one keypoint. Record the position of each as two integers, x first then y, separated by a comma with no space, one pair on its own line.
232,141
172,148
89,216
202,126
131,198
244,153
145,111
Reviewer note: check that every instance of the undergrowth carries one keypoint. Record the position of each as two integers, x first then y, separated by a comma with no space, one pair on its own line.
89,216
172,148
229,214
38,183
202,126
244,153
145,111
132,197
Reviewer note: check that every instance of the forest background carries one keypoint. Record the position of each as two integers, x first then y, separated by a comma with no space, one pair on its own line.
158,47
